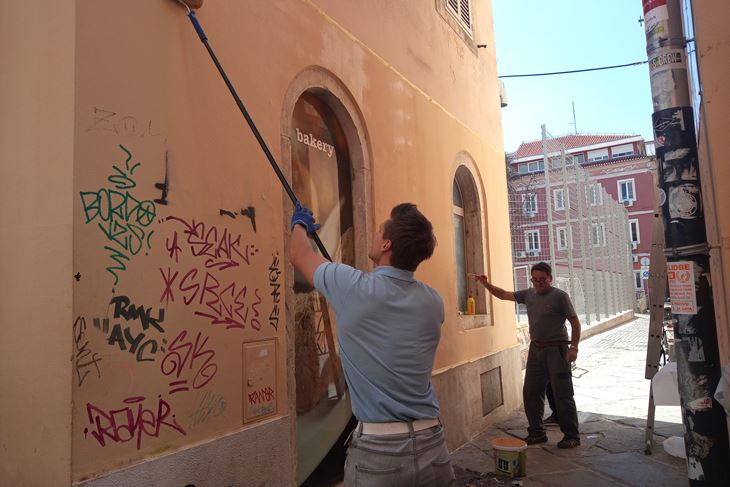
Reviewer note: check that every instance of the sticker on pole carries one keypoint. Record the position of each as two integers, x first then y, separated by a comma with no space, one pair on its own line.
681,279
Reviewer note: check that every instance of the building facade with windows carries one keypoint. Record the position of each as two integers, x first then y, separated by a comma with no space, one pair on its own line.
618,164
153,330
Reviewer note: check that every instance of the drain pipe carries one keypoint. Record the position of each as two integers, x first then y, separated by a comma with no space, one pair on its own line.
686,248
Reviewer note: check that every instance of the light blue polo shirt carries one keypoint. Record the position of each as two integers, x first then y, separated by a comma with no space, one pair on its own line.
388,328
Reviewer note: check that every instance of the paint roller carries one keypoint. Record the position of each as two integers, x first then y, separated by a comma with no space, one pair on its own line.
191,6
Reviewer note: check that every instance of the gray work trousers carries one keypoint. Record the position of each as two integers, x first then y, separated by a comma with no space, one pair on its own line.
399,460
547,363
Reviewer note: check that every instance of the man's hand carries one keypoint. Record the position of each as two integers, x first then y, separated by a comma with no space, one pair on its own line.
497,291
301,255
483,279
303,216
572,355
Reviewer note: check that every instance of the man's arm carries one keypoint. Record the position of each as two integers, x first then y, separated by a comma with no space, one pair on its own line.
574,339
302,255
496,291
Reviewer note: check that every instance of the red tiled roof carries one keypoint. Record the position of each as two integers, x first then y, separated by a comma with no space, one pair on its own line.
571,141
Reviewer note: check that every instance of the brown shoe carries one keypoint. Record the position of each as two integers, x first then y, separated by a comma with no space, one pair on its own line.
534,440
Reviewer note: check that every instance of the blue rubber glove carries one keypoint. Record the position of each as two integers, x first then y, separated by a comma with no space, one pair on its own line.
303,216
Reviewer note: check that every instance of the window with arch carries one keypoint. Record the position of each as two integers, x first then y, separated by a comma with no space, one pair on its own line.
468,240
322,179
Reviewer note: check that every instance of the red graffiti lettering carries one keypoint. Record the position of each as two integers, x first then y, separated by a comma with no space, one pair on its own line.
221,249
224,303
262,395
173,248
130,422
185,355
169,279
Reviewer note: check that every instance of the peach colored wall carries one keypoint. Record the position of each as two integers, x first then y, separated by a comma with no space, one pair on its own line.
36,158
713,48
430,97
149,106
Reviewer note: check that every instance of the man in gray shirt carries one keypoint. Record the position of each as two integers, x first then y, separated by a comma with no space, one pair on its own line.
551,353
388,328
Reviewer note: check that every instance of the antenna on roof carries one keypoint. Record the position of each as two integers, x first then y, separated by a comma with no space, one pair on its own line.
575,124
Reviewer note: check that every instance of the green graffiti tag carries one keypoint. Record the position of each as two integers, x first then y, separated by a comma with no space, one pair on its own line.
122,218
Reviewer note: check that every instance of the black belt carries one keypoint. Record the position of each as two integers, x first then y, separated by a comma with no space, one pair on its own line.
554,343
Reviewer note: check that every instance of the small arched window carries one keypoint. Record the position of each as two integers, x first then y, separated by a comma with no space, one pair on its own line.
468,240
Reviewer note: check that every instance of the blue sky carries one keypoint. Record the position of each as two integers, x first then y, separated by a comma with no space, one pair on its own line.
534,36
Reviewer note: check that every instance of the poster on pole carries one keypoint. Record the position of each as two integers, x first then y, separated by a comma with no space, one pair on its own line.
681,278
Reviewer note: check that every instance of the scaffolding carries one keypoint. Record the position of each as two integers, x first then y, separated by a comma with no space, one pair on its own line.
561,215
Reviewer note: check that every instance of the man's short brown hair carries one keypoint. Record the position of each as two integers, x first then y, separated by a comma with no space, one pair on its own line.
411,236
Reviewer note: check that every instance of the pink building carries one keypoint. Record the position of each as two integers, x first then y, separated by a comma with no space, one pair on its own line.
623,164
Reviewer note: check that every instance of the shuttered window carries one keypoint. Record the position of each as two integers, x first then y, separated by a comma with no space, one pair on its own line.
461,9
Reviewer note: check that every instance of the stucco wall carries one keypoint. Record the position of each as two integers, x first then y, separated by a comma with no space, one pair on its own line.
170,282
225,461
36,157
177,240
464,397
713,48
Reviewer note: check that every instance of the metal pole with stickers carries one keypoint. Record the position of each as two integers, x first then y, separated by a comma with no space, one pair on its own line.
686,248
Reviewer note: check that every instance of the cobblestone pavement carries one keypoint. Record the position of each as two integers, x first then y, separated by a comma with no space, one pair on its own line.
612,398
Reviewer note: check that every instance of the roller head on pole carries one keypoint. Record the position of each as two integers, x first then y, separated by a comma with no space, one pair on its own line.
192,4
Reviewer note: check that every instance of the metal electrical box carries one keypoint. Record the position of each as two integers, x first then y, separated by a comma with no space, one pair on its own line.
259,380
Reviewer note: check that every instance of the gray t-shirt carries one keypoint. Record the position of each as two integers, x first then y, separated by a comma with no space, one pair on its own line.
546,313
388,328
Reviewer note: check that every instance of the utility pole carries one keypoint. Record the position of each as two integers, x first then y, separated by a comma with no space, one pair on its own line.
686,248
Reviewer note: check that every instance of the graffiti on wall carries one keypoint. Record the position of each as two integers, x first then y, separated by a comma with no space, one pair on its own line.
205,269
84,357
274,285
186,357
249,212
142,344
262,401
123,219
220,249
210,406
109,121
206,288
132,421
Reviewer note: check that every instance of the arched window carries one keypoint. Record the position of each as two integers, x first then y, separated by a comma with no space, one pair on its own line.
468,240
322,179
460,247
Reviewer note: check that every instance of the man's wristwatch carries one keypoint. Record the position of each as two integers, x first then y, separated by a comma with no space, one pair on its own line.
573,347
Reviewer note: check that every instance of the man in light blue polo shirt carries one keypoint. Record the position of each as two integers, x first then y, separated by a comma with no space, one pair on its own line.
388,328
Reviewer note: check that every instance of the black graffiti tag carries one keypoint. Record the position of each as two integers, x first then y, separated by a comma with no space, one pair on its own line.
274,274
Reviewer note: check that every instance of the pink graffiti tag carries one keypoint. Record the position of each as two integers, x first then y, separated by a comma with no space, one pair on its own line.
220,248
222,303
125,424
185,354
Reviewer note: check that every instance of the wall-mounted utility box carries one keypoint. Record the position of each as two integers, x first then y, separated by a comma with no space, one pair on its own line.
259,380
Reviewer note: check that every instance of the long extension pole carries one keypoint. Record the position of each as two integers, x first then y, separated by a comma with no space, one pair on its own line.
252,125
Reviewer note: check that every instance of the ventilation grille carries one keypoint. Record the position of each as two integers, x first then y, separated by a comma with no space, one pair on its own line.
491,390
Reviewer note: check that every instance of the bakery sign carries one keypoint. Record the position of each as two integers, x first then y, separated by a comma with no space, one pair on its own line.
312,141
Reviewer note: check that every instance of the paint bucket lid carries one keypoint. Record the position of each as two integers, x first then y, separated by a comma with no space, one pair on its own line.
509,444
